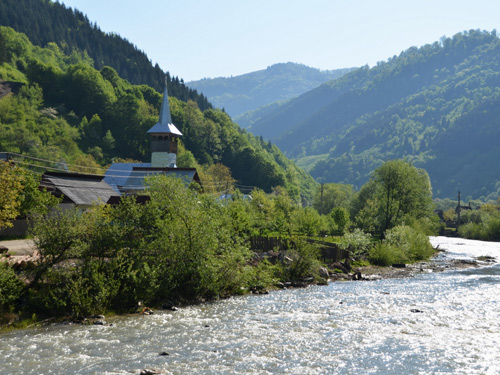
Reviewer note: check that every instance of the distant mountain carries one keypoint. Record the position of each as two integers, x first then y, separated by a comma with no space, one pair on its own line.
437,106
248,92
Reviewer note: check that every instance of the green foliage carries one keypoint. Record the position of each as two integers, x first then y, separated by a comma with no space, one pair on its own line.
11,288
356,242
396,191
304,261
10,189
309,222
334,195
481,224
69,31
402,244
177,246
33,200
20,195
340,217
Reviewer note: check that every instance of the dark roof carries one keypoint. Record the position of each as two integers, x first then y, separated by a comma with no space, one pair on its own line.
80,189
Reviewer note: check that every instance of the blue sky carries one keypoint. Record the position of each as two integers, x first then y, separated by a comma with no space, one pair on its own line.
194,39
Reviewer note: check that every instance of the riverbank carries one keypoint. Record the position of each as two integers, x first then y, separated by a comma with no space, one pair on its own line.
439,322
22,253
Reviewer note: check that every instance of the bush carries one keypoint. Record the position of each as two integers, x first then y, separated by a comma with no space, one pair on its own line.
305,261
493,228
11,288
402,244
486,229
263,275
472,231
356,242
383,254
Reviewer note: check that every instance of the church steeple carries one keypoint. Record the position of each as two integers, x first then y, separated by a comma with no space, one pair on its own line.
164,137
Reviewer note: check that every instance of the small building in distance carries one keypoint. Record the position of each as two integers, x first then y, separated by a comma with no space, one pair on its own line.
128,178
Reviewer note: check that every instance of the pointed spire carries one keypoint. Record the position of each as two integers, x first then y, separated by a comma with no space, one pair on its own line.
164,125
165,117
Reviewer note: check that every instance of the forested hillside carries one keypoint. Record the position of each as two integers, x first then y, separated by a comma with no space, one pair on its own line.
436,106
250,91
59,107
45,21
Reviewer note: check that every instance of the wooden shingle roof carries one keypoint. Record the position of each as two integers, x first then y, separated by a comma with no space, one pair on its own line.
80,189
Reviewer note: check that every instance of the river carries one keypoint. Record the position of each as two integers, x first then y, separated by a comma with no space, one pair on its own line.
434,323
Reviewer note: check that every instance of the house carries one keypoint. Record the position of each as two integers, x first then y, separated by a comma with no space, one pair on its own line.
128,178
80,190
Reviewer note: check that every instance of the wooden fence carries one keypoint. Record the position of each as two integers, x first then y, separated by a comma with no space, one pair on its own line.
330,251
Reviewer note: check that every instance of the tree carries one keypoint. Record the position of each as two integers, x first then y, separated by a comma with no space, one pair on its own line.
217,179
334,195
86,91
10,188
396,190
33,200
340,217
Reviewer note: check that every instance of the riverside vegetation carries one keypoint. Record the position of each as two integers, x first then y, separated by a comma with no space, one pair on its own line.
184,246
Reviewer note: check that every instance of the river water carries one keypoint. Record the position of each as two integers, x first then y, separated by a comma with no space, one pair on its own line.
362,327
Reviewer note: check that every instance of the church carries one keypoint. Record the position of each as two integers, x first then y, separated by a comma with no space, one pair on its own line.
128,178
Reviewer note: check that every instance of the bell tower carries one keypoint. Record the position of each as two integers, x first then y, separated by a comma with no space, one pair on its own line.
164,137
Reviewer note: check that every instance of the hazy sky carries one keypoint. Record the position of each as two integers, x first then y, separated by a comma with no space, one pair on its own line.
194,39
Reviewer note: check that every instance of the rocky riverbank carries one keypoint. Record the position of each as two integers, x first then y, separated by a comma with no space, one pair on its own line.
437,264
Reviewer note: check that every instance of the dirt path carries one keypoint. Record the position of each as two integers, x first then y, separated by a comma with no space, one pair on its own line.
19,247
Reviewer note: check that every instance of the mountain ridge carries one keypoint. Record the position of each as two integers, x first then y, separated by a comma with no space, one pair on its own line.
407,107
249,91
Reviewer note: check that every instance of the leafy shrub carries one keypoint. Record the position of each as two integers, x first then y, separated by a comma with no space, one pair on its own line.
487,229
493,228
472,231
383,254
308,221
305,261
11,288
356,242
402,244
263,275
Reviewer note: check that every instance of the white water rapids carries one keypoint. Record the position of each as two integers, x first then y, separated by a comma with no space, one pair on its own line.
356,327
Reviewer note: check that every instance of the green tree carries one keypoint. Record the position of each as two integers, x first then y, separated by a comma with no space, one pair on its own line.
334,195
11,185
340,217
11,288
86,91
396,190
32,200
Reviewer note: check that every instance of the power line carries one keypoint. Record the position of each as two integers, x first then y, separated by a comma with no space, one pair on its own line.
122,173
